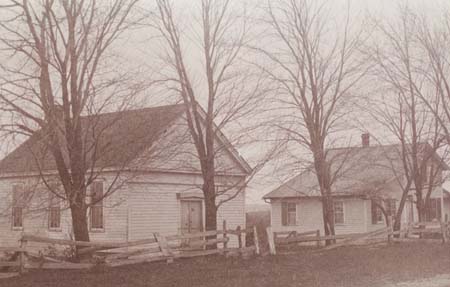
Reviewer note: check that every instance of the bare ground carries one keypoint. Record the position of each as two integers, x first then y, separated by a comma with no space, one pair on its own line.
399,265
436,281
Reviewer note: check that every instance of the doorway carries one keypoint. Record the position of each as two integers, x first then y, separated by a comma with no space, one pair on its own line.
191,216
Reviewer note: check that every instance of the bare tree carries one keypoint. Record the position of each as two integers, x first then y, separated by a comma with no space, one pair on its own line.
56,81
399,70
314,68
225,87
432,36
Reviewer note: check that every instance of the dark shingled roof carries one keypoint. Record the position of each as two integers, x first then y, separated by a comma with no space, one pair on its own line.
120,138
355,171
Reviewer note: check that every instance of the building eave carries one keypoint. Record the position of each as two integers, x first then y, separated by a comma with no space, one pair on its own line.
116,170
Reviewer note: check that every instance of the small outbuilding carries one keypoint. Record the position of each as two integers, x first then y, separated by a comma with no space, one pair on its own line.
366,181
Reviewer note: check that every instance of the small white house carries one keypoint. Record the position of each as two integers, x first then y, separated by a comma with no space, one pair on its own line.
364,178
159,191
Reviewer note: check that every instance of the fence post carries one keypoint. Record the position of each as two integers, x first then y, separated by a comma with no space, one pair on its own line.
318,237
408,229
390,229
23,244
446,225
444,231
164,246
271,241
256,240
225,238
239,234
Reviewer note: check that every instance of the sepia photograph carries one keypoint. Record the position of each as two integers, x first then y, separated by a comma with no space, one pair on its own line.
225,143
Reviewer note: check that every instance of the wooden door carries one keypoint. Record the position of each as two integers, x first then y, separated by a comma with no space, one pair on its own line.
191,216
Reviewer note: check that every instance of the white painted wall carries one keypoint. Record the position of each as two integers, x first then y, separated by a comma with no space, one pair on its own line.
357,212
155,207
146,204
309,216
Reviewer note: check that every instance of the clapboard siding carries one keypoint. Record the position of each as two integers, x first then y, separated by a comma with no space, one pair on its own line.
233,212
135,211
115,209
34,220
354,218
309,216
156,208
179,152
357,212
446,208
152,208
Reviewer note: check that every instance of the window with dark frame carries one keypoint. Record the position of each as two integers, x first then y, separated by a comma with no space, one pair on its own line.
54,212
289,213
433,209
377,214
338,207
391,207
97,206
18,206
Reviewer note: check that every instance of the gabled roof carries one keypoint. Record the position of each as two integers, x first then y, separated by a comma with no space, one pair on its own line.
120,137
230,148
355,170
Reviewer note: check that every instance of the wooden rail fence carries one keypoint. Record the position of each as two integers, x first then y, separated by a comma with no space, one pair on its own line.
413,232
158,248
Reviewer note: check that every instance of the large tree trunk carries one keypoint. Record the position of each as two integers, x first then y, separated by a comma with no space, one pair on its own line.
211,214
397,220
79,224
210,209
420,205
328,220
323,177
421,212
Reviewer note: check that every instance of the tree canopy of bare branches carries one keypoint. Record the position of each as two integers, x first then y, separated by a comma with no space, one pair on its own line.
314,71
56,74
222,92
401,110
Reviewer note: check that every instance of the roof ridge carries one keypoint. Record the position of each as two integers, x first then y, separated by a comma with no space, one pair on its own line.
153,108
21,158
372,146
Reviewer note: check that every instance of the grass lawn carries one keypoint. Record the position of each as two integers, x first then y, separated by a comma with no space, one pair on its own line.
347,266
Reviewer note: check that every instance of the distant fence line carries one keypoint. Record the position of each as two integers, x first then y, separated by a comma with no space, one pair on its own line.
415,231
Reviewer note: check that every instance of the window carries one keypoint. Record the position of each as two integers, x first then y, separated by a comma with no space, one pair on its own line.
377,214
54,212
433,210
97,205
289,213
18,206
338,212
391,206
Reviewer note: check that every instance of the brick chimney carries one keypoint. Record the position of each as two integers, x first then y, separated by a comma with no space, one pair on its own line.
365,139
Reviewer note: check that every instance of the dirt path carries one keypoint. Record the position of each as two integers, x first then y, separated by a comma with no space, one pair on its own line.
436,281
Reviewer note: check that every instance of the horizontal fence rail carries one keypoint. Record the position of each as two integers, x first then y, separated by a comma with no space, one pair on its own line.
159,248
386,234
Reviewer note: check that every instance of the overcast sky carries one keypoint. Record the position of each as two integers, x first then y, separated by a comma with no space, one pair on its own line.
140,52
